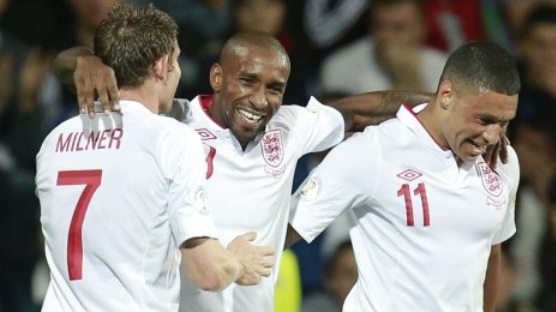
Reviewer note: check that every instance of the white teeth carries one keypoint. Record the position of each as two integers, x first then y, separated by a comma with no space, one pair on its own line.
249,116
477,149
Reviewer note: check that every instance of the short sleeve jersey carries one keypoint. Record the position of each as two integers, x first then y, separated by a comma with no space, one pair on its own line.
119,194
250,189
424,225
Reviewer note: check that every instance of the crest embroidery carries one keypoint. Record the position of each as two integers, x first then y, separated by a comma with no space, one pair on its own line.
491,181
273,149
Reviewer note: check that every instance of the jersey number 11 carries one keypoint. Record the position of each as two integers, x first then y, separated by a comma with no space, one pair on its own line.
422,192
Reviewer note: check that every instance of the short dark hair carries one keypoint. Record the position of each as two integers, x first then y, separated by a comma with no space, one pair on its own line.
482,65
253,38
132,38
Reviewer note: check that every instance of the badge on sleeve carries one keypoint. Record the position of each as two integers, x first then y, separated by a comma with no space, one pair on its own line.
201,203
311,188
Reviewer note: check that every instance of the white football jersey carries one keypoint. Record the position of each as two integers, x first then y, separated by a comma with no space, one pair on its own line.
424,225
250,190
119,194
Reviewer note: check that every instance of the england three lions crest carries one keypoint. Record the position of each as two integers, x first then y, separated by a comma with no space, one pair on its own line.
491,181
273,148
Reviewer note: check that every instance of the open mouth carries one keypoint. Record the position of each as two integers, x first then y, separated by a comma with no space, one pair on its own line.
250,117
477,148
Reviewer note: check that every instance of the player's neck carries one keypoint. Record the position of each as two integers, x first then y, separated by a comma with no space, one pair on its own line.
214,110
143,95
429,119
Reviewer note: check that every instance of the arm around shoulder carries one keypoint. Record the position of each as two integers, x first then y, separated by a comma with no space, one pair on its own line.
83,72
65,64
292,237
372,108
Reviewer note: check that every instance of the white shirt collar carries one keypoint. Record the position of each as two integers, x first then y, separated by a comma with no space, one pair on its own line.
408,117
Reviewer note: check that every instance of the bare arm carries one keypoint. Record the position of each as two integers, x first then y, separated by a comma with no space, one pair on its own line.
209,265
373,108
292,237
212,267
65,64
492,279
84,73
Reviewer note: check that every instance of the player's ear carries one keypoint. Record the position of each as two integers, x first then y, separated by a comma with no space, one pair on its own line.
216,77
446,93
161,67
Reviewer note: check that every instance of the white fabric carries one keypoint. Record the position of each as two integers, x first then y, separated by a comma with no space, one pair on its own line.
353,69
439,267
149,201
251,192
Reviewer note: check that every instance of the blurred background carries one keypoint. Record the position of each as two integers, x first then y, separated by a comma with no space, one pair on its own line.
337,48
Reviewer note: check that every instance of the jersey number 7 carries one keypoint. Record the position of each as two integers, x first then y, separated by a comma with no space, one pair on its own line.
91,179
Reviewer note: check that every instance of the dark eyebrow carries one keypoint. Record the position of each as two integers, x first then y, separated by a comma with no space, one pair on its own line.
273,84
243,74
278,84
493,119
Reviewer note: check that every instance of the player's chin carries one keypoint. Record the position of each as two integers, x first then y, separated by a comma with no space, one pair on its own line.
471,158
469,154
245,135
250,129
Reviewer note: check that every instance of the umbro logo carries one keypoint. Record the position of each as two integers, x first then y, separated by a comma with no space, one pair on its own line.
409,174
205,134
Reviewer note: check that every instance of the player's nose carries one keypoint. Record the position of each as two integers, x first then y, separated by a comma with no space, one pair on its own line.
258,99
492,133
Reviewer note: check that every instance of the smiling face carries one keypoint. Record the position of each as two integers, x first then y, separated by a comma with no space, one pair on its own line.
474,120
248,85
475,100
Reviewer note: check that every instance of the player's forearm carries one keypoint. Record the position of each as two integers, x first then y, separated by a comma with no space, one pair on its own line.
292,237
65,64
372,108
492,279
226,271
209,265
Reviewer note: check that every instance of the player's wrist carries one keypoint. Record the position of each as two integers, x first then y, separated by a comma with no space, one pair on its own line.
239,266
241,269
